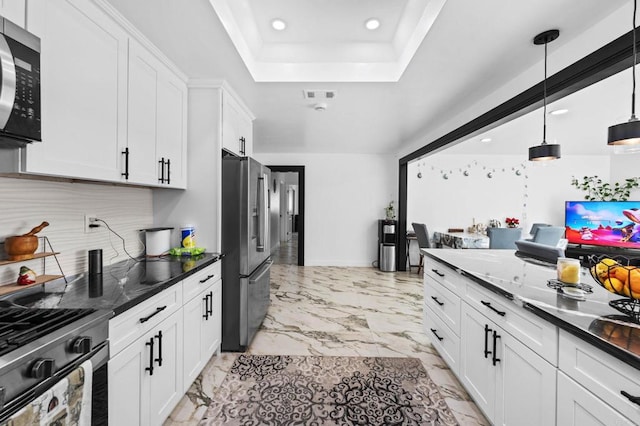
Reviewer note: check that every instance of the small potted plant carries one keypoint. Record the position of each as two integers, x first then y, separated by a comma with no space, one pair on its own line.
512,222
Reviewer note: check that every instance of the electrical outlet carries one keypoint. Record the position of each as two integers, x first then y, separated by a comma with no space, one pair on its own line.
89,219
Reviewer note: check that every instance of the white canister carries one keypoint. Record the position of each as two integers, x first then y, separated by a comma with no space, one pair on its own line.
157,241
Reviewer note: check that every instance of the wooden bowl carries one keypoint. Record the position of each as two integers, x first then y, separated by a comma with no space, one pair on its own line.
21,247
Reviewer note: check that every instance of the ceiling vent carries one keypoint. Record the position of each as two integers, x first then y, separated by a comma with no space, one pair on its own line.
319,95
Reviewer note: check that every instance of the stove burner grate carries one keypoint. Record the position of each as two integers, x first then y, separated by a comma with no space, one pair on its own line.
19,326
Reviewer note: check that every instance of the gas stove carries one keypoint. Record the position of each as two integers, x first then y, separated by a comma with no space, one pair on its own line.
38,347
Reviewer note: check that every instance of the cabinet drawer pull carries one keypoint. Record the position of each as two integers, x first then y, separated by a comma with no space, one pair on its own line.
488,305
205,299
433,330
161,162
126,164
204,280
435,299
158,310
486,340
150,367
159,337
210,307
438,273
634,399
494,359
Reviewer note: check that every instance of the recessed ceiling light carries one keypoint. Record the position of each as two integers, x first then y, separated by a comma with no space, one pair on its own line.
485,140
559,111
372,24
278,24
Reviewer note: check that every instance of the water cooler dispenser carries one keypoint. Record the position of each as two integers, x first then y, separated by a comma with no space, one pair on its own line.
387,243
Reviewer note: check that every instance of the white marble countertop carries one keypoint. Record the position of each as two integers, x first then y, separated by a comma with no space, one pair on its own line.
524,282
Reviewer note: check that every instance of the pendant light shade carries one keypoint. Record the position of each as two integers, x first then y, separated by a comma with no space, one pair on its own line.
628,133
544,151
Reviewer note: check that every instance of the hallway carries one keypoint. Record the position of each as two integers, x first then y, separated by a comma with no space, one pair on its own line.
287,253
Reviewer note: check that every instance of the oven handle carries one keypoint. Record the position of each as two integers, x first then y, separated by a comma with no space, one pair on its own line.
8,90
98,356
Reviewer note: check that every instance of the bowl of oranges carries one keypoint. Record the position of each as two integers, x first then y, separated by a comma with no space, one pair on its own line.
619,275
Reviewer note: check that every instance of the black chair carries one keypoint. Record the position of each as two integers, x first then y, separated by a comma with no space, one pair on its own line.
423,241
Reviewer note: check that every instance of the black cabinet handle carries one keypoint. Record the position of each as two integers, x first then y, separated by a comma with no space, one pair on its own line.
168,170
438,273
433,330
488,305
159,337
494,359
126,164
435,299
486,340
242,146
161,162
634,399
206,307
150,367
210,307
204,280
158,310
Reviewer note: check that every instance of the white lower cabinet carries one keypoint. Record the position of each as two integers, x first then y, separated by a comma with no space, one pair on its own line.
510,383
202,330
579,407
145,378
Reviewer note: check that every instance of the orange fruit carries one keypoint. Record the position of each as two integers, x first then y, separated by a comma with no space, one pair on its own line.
621,272
614,285
634,283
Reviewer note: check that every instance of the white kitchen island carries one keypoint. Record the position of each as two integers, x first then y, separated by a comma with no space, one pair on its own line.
525,352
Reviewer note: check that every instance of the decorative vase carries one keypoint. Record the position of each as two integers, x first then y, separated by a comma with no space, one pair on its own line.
512,225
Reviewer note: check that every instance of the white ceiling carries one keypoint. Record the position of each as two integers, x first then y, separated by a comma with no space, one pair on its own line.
582,130
471,50
326,40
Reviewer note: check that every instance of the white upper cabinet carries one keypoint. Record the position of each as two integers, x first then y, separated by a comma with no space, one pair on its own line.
237,127
14,10
156,126
113,108
83,84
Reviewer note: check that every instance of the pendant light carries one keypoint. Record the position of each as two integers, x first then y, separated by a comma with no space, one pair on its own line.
544,151
628,133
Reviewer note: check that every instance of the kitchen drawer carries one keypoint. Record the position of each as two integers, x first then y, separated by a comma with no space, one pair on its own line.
193,285
444,275
127,327
604,375
539,335
578,407
444,303
442,338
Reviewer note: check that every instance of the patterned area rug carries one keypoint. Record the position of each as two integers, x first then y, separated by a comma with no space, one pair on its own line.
314,390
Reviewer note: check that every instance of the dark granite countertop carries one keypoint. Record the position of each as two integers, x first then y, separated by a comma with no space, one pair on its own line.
120,287
524,282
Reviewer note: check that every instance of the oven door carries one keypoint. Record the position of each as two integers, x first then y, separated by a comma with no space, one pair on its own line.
45,393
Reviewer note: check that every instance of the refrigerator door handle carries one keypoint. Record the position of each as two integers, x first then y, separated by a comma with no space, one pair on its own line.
262,212
260,273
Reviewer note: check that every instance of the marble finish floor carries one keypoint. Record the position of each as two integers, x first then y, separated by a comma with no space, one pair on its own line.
338,311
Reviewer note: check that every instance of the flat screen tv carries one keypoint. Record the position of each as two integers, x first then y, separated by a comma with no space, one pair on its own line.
603,223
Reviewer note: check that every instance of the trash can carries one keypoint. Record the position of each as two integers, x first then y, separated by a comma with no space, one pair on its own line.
387,257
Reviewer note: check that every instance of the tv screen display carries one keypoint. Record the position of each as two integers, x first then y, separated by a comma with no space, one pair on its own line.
603,223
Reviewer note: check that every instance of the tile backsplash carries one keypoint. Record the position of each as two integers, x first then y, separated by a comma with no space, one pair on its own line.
25,203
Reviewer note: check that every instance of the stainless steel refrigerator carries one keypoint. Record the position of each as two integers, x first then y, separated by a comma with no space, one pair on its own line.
246,245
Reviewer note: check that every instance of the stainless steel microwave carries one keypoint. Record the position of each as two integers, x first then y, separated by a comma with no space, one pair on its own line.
20,86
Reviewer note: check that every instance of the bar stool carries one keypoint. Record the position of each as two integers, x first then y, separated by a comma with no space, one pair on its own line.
423,241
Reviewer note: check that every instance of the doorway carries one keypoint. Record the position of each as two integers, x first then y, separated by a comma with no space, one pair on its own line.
287,202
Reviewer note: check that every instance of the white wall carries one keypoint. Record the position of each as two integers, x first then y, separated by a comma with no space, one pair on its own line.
26,203
536,195
345,195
